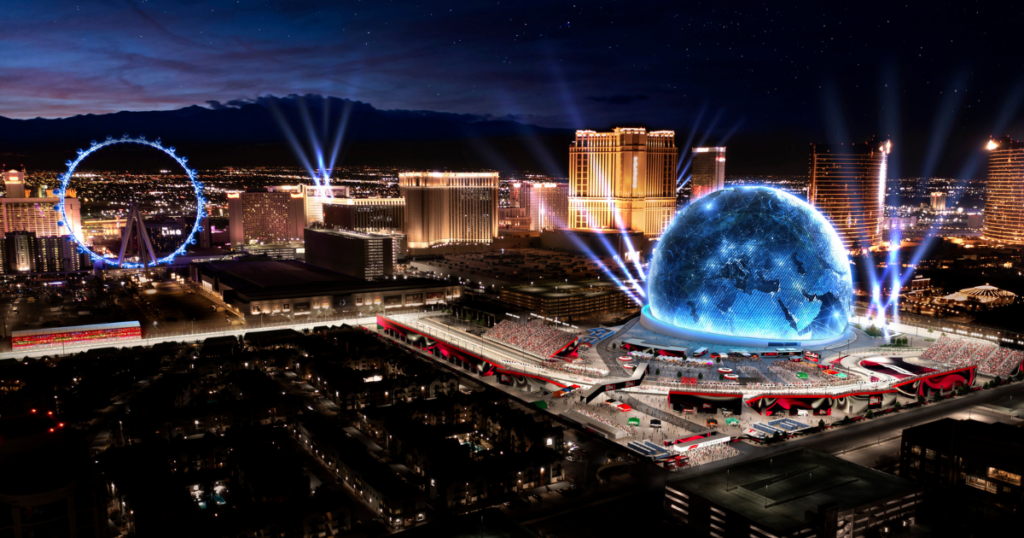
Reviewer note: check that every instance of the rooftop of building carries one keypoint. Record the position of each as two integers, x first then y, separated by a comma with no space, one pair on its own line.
1004,143
559,290
870,146
996,442
778,491
520,265
268,279
352,234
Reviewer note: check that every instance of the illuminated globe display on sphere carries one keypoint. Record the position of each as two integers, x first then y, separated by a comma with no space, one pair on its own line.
752,263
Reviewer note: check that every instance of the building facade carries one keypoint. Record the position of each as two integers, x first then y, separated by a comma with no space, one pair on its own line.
20,213
624,180
708,174
794,494
848,186
970,459
547,204
446,208
25,252
265,216
362,255
938,201
256,288
1004,203
14,183
365,214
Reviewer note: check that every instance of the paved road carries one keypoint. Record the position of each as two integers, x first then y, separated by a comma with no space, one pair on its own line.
654,412
608,355
866,433
871,431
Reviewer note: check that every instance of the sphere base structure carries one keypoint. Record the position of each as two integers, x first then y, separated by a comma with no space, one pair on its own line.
654,324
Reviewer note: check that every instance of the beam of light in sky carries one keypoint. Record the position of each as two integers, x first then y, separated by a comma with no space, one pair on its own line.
728,135
1011,104
835,120
339,134
889,114
943,124
293,141
615,257
585,249
711,129
307,121
684,150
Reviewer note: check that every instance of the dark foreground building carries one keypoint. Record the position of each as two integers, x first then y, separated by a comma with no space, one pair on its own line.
272,287
801,493
47,485
969,459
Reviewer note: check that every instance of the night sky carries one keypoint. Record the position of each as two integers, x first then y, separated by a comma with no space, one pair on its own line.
936,77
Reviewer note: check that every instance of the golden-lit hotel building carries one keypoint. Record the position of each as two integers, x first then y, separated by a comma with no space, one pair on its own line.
848,187
622,180
449,208
708,173
1004,202
260,216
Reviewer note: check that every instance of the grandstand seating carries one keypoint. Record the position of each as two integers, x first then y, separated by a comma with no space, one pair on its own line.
956,352
942,350
1004,361
534,337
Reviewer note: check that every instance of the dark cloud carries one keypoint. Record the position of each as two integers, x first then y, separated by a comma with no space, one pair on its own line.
617,99
780,68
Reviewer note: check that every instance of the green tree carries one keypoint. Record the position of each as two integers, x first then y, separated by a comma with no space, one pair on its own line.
700,376
679,374
721,377
821,423
897,406
869,414
657,371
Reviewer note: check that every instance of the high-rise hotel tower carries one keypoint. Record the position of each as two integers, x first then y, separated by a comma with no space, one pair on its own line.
1004,203
848,187
449,208
708,173
622,180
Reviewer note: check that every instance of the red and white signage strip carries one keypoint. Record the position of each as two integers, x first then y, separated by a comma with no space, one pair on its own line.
701,444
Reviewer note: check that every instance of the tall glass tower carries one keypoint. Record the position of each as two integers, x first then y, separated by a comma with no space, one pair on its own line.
1004,201
848,187
708,172
622,180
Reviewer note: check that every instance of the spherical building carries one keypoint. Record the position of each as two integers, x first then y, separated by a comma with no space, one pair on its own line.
750,265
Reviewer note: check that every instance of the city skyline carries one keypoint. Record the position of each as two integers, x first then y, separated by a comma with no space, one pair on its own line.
319,268
821,74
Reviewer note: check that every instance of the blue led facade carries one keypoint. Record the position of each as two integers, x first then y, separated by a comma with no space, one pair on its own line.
193,176
752,262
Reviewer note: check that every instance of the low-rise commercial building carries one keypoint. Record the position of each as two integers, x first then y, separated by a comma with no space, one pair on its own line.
975,460
799,493
272,287
570,300
358,254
